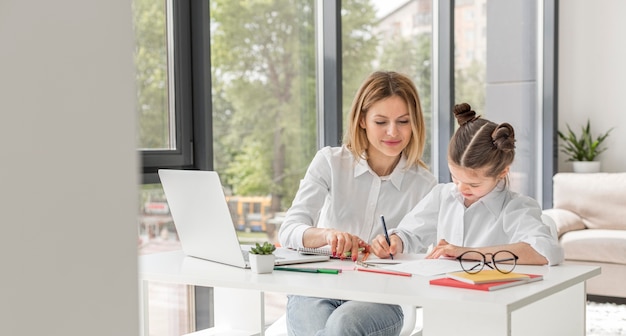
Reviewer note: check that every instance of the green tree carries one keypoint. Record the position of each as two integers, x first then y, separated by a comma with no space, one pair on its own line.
263,66
470,86
151,73
412,56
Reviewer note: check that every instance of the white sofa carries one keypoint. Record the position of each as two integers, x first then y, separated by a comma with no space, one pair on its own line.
590,215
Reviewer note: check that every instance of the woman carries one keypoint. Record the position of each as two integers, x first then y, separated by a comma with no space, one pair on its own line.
378,171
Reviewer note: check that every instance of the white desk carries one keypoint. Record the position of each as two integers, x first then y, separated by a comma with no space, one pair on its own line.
554,306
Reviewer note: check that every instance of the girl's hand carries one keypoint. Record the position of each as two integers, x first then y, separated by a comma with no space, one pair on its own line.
446,250
341,242
383,250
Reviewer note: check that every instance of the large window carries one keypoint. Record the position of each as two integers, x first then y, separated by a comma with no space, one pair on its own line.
264,107
235,87
389,35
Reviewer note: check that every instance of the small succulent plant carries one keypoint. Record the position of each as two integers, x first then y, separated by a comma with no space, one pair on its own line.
266,248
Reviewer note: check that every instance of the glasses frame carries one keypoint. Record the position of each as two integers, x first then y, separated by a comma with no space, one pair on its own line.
493,261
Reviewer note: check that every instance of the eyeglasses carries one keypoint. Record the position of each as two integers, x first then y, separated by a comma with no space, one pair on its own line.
474,261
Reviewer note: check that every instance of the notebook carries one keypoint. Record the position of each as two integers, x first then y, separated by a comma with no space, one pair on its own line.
204,224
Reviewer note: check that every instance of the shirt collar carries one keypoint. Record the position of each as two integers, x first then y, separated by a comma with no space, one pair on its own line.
493,201
395,177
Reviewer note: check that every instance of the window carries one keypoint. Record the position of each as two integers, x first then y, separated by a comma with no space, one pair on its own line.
244,100
264,107
384,34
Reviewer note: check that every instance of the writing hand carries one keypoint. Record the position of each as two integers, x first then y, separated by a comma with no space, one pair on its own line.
383,250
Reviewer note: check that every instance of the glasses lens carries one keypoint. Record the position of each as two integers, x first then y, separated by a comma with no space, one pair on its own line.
472,262
505,261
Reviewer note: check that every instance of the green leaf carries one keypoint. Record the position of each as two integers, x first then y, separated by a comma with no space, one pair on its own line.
583,147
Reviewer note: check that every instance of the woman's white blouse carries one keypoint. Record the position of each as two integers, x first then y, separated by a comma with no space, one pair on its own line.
500,217
343,193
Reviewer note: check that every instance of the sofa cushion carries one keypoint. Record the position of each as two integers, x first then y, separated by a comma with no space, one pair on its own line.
607,246
565,220
599,198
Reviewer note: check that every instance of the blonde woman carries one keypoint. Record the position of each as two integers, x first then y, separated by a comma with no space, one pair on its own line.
378,171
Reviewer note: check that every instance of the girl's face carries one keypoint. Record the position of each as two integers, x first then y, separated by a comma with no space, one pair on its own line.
473,183
388,128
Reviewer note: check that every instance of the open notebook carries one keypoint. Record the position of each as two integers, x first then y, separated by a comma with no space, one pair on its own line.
203,221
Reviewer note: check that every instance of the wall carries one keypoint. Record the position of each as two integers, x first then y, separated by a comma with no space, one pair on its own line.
68,178
592,74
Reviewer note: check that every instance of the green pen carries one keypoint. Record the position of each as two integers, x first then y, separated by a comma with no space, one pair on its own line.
308,270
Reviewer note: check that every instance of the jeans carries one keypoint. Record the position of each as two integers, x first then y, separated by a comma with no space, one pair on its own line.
311,316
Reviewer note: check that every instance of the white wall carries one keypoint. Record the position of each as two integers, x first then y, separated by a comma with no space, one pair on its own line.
68,175
592,74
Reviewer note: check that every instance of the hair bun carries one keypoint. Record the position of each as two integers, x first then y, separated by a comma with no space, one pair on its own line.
504,137
464,113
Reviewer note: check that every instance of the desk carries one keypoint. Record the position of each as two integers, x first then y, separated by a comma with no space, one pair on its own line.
553,306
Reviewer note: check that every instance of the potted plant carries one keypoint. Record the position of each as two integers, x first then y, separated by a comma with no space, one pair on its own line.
583,149
262,258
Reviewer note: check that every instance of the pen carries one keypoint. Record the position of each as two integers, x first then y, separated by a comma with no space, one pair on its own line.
364,267
382,220
308,270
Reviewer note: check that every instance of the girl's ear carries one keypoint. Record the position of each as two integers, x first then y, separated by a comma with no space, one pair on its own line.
504,173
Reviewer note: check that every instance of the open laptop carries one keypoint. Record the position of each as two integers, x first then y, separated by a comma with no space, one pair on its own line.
204,224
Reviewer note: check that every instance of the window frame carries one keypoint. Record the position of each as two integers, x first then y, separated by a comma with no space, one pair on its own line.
193,107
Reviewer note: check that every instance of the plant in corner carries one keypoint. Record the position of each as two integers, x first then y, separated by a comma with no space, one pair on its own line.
583,147
262,258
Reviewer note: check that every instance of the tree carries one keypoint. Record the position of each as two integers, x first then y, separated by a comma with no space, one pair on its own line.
263,66
151,73
412,57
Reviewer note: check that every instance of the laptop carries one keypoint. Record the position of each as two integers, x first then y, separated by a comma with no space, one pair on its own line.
204,223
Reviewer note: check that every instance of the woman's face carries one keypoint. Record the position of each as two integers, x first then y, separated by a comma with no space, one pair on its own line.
388,128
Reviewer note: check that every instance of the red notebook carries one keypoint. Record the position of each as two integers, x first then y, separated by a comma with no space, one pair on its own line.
491,286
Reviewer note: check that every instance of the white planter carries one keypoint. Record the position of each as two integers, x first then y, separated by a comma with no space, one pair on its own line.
586,166
262,263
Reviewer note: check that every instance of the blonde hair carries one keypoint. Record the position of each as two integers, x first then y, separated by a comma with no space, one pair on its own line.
378,86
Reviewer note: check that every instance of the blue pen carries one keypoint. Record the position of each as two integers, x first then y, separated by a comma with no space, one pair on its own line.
382,220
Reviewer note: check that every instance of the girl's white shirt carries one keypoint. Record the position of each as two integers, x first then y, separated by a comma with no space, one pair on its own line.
340,192
500,217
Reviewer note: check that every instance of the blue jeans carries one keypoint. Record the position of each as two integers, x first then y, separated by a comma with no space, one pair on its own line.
309,316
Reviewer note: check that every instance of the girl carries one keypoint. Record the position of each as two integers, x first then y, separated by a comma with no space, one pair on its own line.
378,171
477,211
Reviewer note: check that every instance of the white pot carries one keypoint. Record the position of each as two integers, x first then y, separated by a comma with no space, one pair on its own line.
586,166
262,263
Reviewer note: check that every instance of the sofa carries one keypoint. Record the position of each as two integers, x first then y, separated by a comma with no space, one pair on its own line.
590,215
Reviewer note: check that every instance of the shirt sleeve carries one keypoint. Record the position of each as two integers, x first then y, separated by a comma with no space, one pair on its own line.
418,228
522,223
308,202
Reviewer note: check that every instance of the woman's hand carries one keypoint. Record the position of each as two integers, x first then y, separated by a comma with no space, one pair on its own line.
341,242
383,250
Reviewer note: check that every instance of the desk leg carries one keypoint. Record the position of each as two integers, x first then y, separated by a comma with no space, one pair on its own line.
144,326
561,313
240,309
451,319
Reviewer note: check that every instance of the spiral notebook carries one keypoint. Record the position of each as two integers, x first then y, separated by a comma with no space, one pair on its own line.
322,251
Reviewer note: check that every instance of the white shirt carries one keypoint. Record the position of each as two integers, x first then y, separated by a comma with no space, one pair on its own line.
339,192
500,217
